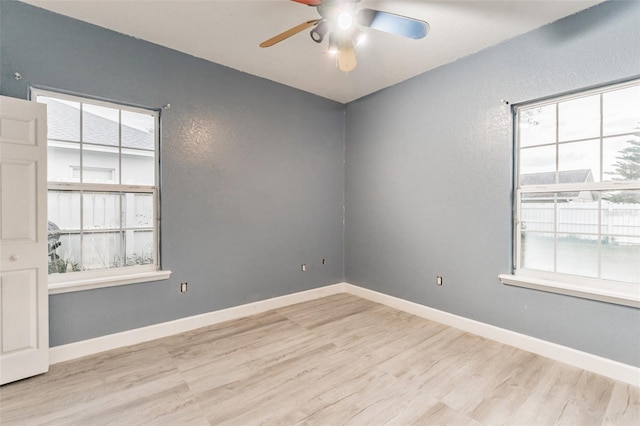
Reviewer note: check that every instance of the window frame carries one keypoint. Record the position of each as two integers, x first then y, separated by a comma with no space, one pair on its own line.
122,275
623,293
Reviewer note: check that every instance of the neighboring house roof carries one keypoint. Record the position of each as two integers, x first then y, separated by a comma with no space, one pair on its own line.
565,176
64,124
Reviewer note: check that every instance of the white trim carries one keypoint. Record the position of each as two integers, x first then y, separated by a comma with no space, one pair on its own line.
608,185
139,335
110,281
89,99
596,364
99,187
577,95
606,291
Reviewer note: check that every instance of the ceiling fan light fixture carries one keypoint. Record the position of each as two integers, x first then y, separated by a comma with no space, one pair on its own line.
345,20
338,21
333,44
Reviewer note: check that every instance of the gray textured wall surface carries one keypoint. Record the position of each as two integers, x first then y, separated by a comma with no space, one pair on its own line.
429,180
252,172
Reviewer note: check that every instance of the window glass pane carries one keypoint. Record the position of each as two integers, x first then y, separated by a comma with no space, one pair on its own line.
579,162
579,118
621,236
621,259
621,158
101,250
537,125
538,165
63,119
581,230
100,164
100,144
65,256
537,212
138,210
138,130
621,111
62,158
537,251
100,125
101,210
63,209
621,214
138,167
578,217
578,255
139,247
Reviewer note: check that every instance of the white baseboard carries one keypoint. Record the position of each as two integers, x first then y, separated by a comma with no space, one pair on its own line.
144,334
596,364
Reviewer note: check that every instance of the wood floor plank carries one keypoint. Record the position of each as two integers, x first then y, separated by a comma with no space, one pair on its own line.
442,414
569,396
624,406
519,377
332,361
131,382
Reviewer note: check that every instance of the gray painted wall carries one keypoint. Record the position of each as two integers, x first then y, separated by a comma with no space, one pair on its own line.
252,172
429,180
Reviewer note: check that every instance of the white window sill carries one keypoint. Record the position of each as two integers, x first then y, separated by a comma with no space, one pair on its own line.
101,282
605,291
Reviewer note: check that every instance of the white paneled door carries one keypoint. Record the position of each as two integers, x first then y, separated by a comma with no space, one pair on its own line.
24,309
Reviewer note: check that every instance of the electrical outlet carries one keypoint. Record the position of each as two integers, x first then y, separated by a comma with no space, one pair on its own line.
303,268
438,280
183,287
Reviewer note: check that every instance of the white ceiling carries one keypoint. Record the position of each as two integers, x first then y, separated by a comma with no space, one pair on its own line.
228,33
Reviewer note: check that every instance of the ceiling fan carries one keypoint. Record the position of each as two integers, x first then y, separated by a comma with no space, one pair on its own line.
346,25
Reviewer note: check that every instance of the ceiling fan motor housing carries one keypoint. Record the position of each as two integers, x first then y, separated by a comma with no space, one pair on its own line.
338,19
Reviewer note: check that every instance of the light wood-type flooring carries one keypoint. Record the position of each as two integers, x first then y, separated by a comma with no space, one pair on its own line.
332,361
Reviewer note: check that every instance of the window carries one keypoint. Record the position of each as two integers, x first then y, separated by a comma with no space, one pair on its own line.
577,198
103,197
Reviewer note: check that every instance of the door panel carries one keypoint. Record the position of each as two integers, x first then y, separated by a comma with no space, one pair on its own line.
19,315
24,315
18,204
19,130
